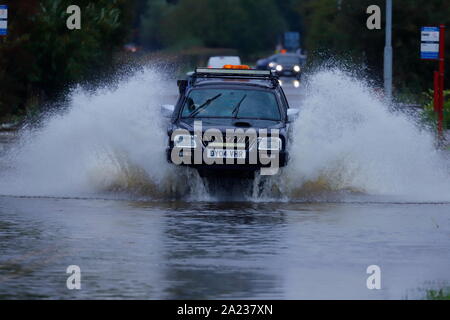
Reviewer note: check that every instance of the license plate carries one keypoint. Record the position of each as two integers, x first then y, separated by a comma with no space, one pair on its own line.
227,154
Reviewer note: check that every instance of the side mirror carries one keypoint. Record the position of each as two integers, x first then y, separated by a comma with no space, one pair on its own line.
167,110
292,114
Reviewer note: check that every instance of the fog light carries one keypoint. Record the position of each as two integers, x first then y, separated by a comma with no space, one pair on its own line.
185,141
269,143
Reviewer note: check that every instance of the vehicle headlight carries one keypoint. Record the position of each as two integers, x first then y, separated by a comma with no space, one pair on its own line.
279,67
185,141
272,64
297,68
269,143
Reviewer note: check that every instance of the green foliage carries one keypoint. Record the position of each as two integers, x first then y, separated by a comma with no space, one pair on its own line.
438,294
41,56
342,33
64,55
248,25
428,107
155,14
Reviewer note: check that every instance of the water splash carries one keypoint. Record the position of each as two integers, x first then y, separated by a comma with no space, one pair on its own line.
347,139
112,142
109,141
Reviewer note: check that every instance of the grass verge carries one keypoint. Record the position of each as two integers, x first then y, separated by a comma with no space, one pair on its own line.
441,294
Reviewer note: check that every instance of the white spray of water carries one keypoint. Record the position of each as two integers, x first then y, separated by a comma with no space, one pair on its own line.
347,139
113,141
110,140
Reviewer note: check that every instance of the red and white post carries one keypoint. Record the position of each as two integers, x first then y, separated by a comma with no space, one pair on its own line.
440,83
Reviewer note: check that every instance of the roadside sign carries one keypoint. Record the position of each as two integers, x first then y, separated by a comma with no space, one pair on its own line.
429,47
3,11
430,34
292,40
3,24
3,20
432,46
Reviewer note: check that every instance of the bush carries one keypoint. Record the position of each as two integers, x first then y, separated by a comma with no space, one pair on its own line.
41,57
440,294
429,113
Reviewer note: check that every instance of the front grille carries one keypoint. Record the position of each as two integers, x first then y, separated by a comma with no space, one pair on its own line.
231,142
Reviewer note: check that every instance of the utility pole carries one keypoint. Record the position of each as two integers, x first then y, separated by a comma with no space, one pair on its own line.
388,54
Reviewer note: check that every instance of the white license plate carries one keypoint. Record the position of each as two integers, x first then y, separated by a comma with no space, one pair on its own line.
230,154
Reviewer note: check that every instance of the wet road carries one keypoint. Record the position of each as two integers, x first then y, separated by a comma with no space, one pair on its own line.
221,250
213,250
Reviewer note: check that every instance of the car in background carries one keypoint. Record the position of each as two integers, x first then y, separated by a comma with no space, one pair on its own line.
283,64
131,48
220,61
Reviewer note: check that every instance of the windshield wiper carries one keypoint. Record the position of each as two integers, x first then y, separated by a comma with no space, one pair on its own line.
202,106
236,109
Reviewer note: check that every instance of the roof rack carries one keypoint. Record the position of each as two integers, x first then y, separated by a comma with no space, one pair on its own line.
235,73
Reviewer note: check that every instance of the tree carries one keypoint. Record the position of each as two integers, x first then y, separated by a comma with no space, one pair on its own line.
342,34
41,56
246,25
155,13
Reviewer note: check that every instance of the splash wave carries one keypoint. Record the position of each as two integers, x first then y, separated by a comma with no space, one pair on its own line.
112,141
347,139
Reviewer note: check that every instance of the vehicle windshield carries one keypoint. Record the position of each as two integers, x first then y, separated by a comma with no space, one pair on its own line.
288,60
231,103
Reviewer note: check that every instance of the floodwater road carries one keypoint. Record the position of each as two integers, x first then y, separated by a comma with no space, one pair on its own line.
180,250
128,246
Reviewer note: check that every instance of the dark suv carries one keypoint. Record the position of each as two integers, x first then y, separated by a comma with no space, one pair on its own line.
230,121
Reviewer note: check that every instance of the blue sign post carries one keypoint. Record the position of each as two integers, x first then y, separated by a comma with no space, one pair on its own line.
432,47
429,46
292,40
3,20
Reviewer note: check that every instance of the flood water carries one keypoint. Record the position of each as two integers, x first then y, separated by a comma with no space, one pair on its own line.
91,188
179,250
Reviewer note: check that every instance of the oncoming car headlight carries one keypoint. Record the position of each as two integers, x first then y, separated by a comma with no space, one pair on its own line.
269,143
272,64
185,141
297,68
279,68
